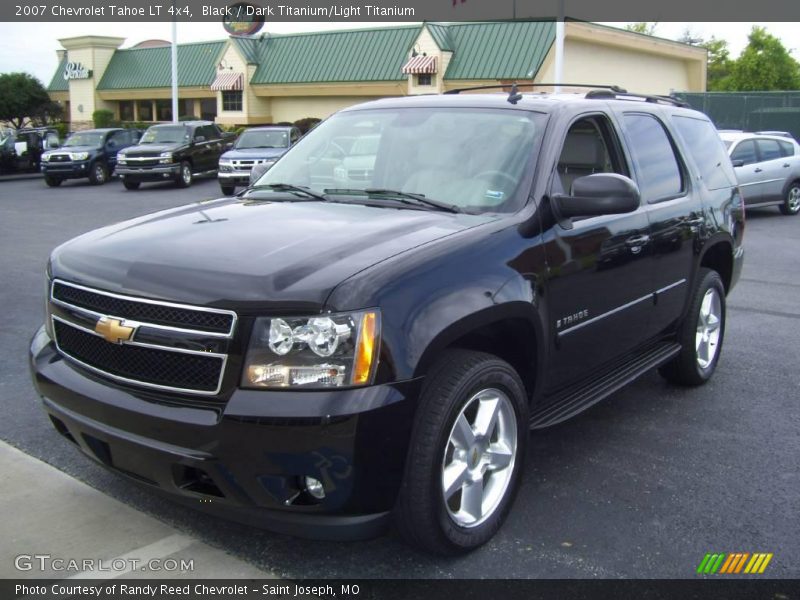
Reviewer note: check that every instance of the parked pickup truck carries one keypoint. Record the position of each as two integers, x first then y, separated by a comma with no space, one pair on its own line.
254,146
173,152
88,154
326,360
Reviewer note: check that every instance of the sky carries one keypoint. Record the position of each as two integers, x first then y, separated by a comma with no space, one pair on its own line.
22,49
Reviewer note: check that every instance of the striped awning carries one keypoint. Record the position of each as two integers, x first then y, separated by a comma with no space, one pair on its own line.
420,64
227,81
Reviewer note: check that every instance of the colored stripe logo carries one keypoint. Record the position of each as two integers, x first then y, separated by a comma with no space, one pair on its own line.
734,563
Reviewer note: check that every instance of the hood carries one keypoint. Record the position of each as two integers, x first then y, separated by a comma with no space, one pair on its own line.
151,148
249,256
254,153
65,149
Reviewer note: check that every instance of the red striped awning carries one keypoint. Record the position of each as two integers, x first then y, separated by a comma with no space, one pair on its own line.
227,81
420,64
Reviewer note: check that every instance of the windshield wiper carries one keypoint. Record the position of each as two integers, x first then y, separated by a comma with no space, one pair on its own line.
288,187
404,197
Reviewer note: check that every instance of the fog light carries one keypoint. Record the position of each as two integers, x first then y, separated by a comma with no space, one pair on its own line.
314,487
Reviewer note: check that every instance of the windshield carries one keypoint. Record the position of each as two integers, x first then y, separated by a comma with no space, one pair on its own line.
84,138
475,159
263,139
165,135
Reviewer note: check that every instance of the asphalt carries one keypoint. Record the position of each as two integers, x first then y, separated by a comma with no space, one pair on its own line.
641,485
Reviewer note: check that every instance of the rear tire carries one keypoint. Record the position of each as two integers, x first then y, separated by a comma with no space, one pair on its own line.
701,333
227,190
98,175
791,204
185,175
131,185
466,454
52,181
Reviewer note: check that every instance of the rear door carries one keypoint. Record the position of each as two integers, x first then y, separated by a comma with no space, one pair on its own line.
772,171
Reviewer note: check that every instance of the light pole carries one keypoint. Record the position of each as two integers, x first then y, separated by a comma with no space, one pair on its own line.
174,65
559,66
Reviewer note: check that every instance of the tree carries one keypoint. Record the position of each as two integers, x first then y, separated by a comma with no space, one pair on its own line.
765,64
642,27
22,97
719,65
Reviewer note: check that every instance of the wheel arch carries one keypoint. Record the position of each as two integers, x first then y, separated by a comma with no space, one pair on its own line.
508,331
718,256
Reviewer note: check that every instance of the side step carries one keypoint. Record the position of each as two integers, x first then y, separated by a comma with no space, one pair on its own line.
579,397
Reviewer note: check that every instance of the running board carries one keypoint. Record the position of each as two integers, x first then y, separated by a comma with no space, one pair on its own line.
579,397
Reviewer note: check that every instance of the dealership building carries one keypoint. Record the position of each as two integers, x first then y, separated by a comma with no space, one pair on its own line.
270,78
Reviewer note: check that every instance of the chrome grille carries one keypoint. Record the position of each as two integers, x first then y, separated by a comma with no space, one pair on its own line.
174,347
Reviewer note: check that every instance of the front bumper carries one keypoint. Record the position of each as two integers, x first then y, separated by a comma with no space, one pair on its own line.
66,170
158,173
234,177
243,459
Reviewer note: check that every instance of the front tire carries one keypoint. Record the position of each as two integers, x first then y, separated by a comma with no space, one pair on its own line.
791,204
185,176
466,454
227,190
52,181
98,175
131,185
701,334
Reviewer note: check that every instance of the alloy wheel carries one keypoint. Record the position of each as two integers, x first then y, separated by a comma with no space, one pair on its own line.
793,199
709,323
478,460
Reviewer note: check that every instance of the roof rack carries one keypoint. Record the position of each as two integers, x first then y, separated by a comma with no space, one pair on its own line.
652,98
598,92
614,88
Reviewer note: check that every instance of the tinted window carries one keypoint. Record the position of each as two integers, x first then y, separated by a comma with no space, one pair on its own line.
210,132
659,172
745,152
768,149
787,149
707,150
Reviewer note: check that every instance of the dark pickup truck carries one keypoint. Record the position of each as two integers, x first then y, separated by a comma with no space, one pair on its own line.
322,360
173,152
88,154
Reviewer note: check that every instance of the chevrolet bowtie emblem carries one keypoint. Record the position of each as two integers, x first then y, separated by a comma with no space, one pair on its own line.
113,330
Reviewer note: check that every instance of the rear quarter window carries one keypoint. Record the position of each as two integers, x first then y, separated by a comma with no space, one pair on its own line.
707,151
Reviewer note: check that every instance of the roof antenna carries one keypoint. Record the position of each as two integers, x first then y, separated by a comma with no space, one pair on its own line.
514,96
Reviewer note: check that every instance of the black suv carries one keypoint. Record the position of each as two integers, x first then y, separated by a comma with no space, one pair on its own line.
21,149
91,153
173,152
342,355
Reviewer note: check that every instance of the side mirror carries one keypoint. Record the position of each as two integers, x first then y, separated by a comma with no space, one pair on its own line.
199,138
598,194
738,162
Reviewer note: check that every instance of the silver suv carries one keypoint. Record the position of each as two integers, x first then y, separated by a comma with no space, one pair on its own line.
768,169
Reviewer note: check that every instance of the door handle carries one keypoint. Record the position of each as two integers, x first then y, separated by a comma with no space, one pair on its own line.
786,165
758,170
637,241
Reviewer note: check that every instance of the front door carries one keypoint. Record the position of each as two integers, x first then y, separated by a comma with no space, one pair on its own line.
600,278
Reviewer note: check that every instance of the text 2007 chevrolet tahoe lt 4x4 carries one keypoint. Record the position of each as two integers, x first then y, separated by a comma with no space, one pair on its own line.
317,359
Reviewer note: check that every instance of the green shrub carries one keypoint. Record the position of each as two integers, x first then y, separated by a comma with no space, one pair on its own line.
307,124
188,118
62,129
103,118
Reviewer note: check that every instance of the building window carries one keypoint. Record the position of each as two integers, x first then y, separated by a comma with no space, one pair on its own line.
164,109
208,109
232,100
145,110
424,79
186,108
126,110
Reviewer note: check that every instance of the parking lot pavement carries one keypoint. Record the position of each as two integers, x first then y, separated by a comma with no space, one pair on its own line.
66,519
641,485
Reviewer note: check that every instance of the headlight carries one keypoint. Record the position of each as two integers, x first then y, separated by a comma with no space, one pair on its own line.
122,159
225,167
79,155
48,322
165,158
334,350
45,157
